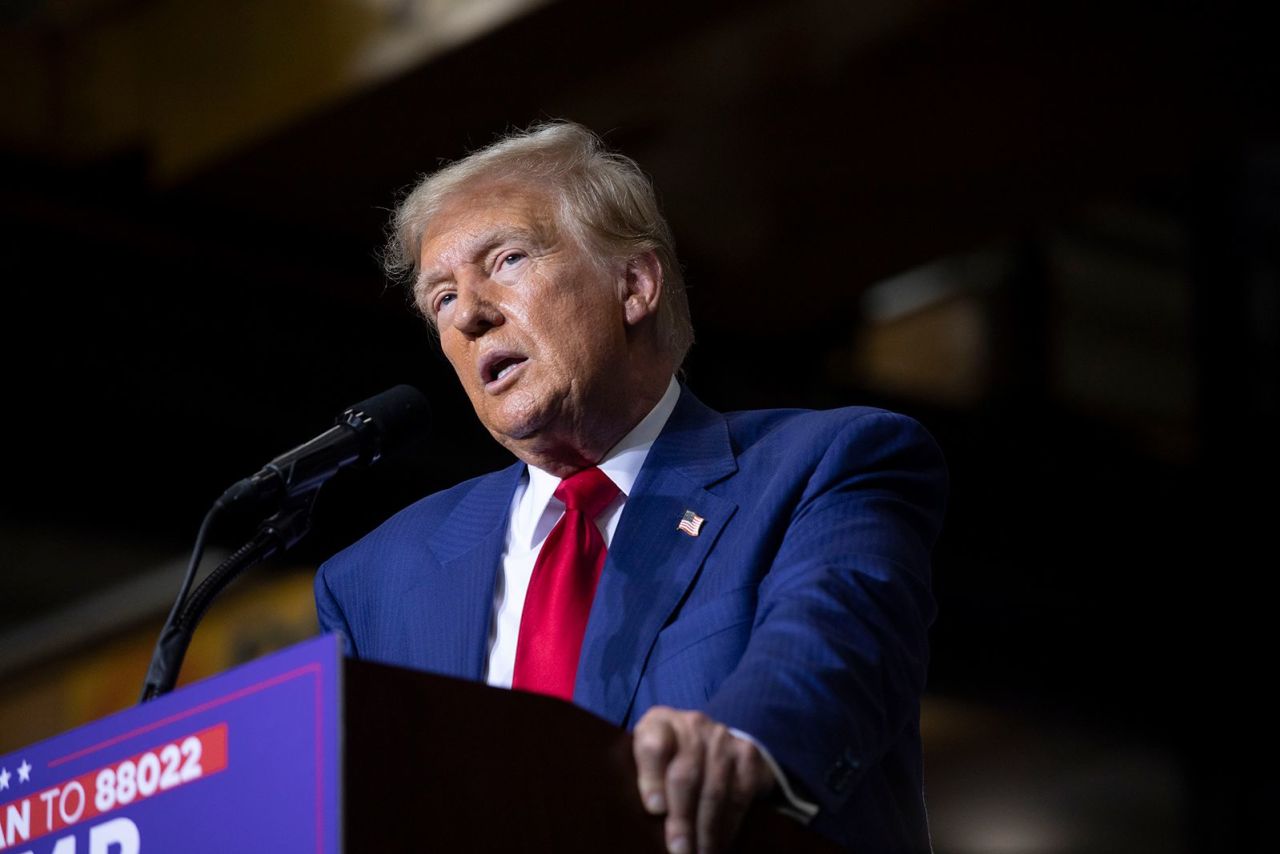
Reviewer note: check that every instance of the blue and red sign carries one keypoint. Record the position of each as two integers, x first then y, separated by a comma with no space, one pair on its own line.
245,761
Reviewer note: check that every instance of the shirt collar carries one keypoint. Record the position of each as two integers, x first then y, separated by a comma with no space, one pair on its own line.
622,463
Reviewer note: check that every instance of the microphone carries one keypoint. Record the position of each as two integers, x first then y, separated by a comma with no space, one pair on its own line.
361,436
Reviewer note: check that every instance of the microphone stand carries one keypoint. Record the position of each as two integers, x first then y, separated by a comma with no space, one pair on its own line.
274,536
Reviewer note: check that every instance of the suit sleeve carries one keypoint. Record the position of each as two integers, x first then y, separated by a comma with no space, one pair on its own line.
832,675
329,613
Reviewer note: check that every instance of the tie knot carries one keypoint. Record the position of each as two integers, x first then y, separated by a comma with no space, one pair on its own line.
588,491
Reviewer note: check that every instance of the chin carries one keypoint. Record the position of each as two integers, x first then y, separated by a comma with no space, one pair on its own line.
508,430
510,435
521,416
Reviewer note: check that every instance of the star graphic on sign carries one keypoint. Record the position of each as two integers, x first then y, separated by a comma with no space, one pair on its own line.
24,772
4,778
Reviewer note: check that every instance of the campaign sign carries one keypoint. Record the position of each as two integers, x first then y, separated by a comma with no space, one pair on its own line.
243,761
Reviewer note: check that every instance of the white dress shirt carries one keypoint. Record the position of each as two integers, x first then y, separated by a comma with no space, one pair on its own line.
535,511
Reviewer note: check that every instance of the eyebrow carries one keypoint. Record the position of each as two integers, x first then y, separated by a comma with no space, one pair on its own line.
428,279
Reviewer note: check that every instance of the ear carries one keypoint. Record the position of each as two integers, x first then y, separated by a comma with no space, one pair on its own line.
642,287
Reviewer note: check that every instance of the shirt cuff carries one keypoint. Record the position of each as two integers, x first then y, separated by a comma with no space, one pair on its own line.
797,807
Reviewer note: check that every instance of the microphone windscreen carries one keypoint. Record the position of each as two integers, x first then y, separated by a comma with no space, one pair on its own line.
400,415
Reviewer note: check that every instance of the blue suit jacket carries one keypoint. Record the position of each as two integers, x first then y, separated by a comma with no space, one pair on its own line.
798,614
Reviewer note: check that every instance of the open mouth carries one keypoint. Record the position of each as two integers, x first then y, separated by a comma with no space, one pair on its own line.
502,367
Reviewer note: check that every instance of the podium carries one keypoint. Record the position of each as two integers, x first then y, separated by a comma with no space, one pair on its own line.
304,751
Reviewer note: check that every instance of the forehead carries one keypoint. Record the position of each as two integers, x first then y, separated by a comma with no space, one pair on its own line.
473,219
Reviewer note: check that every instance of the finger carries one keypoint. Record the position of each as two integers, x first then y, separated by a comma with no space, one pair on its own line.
748,778
653,744
684,784
721,802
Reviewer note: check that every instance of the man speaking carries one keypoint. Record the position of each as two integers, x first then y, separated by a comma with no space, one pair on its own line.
749,592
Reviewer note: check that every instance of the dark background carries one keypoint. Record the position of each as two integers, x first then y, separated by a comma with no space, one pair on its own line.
1096,186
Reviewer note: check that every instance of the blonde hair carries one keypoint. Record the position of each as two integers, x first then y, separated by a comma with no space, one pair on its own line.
605,201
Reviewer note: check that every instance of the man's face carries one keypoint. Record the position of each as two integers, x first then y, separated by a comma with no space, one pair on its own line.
532,324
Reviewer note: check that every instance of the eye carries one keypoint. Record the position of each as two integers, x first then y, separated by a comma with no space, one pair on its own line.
510,259
443,301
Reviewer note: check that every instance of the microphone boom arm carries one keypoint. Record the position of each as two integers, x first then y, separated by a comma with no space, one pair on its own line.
274,536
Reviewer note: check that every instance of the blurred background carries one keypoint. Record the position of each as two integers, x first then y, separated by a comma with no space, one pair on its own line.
1050,231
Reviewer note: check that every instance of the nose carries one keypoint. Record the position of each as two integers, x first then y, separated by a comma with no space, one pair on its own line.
474,310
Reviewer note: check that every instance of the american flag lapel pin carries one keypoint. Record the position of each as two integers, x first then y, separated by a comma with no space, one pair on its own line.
690,523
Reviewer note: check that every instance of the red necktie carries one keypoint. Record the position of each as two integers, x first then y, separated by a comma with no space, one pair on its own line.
562,587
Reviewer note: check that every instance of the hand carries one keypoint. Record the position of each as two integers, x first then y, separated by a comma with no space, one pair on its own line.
702,776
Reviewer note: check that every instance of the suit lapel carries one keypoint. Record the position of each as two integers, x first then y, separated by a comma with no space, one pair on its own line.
456,606
652,564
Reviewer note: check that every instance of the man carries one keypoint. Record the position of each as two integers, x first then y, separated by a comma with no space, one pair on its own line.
749,592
